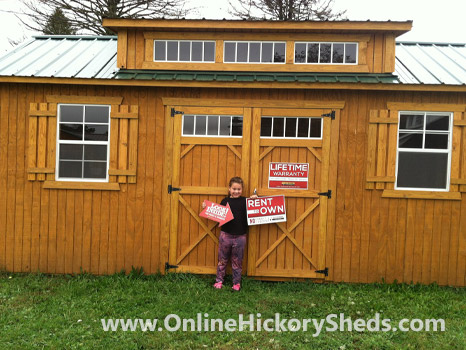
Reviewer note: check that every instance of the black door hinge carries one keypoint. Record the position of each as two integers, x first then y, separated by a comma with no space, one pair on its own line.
331,115
174,112
168,266
172,189
328,193
324,271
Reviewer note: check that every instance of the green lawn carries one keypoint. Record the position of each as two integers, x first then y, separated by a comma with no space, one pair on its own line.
65,312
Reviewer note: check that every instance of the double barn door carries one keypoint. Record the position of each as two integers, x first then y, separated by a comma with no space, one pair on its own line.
212,144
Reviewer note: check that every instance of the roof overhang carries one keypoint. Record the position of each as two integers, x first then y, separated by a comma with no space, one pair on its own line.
397,28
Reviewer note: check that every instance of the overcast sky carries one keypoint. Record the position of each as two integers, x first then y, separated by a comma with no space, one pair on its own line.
433,20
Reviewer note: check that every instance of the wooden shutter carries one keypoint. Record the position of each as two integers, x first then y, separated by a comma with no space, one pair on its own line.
123,143
381,154
42,141
458,154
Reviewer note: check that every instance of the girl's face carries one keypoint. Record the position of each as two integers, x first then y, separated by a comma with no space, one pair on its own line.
235,190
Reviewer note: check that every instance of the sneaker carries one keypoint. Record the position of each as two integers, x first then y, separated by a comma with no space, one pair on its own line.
218,285
236,287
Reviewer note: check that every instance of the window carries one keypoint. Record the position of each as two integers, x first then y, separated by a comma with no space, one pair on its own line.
184,51
212,125
291,127
424,151
326,53
254,52
83,142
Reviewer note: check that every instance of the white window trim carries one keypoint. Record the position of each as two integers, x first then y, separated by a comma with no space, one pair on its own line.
59,142
190,49
294,138
249,45
207,125
418,150
326,42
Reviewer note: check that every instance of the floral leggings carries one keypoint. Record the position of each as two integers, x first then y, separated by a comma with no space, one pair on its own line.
230,246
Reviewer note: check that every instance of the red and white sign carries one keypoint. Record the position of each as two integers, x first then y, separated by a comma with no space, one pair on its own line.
266,210
289,175
216,212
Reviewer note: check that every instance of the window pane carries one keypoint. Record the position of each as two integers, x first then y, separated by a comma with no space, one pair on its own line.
313,53
160,47
212,125
242,52
237,126
267,52
230,52
350,53
70,169
71,131
225,126
279,52
96,114
95,152
338,52
300,53
422,170
185,51
290,127
409,140
188,125
412,122
172,50
266,127
201,123
437,122
303,127
325,53
209,52
254,52
95,170
196,51
68,152
278,127
316,127
95,132
71,114
436,141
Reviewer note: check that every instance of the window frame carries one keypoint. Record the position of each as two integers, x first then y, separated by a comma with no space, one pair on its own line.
249,42
449,151
284,128
207,125
331,56
179,48
83,142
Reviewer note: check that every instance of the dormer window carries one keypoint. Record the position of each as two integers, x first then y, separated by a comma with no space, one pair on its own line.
325,53
254,52
184,51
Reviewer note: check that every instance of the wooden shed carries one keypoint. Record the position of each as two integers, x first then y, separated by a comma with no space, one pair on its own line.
108,146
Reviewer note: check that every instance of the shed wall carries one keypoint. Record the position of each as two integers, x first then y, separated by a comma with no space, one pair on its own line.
102,232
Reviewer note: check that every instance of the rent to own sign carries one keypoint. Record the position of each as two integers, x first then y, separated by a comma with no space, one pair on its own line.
265,210
289,175
216,212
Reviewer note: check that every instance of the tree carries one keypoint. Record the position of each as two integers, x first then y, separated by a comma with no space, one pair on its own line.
285,10
58,23
86,15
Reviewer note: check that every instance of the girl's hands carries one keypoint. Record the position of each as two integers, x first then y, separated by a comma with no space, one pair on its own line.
203,205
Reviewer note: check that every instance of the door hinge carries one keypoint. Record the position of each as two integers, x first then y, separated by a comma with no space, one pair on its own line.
174,112
331,115
168,266
324,271
328,193
172,189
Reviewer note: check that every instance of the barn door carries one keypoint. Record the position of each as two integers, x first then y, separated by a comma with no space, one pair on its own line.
210,145
295,248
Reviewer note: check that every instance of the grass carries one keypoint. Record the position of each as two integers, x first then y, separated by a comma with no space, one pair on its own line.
64,312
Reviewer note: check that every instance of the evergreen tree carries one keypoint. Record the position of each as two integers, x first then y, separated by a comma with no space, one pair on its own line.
58,23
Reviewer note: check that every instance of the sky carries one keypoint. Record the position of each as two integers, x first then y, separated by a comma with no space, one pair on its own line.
433,20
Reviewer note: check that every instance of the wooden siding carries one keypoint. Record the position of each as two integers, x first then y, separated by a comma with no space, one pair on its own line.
369,238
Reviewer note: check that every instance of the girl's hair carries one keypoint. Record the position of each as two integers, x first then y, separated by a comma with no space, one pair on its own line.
236,180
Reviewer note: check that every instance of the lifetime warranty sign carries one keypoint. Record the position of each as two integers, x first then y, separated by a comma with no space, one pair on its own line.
266,210
289,175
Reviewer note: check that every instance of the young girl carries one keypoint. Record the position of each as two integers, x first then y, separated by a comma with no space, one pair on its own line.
232,238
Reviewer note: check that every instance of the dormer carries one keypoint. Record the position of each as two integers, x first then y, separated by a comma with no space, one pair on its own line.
278,46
